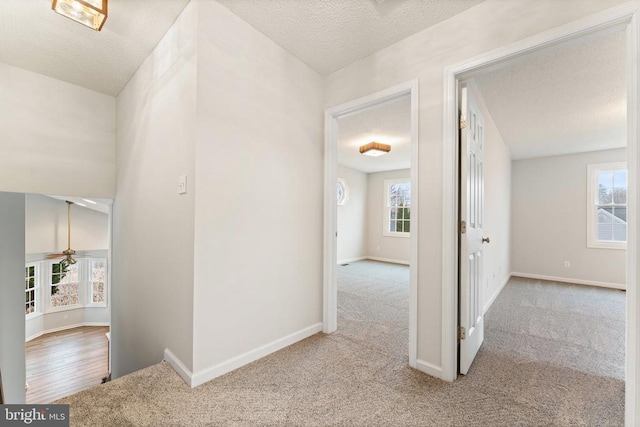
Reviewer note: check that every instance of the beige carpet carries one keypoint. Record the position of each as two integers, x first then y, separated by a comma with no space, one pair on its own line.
358,376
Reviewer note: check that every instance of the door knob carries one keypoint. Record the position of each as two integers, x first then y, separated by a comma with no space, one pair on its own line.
486,240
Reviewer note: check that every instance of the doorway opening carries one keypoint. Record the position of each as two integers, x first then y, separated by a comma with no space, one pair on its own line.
67,288
395,187
619,19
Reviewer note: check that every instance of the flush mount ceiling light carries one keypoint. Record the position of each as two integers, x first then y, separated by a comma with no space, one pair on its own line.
92,13
375,149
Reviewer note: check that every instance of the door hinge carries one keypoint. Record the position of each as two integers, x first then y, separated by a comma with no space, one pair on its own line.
462,333
463,121
463,227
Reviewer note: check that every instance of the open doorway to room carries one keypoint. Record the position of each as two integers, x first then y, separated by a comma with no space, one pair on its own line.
371,229
547,274
67,284
374,225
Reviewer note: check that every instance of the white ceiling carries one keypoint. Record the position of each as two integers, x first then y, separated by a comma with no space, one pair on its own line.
389,123
35,38
566,99
549,103
329,34
326,34
100,205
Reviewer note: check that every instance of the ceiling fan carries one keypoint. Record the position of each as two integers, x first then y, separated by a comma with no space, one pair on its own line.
67,253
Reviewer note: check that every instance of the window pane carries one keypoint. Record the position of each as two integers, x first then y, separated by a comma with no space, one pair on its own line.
98,292
605,215
620,232
620,196
605,232
605,196
605,179
66,294
394,213
392,225
407,226
619,215
55,268
620,178
97,271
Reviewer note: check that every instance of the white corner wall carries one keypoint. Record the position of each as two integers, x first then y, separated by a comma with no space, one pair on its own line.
56,138
549,204
424,56
352,217
12,322
258,210
497,202
380,247
153,226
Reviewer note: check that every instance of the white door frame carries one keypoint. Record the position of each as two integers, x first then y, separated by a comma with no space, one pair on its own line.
626,15
330,288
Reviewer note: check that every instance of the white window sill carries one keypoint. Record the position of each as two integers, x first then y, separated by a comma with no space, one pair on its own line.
33,315
405,235
607,245
65,308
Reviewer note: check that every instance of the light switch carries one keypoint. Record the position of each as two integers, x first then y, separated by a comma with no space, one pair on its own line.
182,184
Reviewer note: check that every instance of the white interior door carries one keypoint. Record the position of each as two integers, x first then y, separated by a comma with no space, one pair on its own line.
471,328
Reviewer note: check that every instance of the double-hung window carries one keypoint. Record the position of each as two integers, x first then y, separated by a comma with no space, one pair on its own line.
64,284
97,275
397,207
31,287
607,205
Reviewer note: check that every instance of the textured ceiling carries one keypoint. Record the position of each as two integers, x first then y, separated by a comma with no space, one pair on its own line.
389,123
562,100
35,38
329,34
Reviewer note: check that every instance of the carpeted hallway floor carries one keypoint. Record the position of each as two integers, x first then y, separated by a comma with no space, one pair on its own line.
553,355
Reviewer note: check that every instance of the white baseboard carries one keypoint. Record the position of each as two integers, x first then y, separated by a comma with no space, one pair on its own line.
62,328
429,369
177,365
569,280
496,293
392,261
202,376
346,261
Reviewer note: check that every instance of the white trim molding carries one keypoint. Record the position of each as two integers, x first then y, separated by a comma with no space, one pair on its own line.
429,368
625,17
389,260
620,286
330,290
347,261
194,379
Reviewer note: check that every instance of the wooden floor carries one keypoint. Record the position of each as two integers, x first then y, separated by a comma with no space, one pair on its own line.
63,363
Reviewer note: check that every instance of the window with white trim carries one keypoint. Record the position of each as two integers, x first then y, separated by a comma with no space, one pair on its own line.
607,206
31,287
397,207
97,282
64,283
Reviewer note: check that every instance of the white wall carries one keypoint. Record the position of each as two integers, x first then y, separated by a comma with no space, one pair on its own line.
390,248
486,26
497,202
12,353
55,138
47,226
352,217
259,169
152,273
549,204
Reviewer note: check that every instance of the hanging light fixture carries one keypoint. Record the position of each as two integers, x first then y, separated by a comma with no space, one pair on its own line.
92,13
375,149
